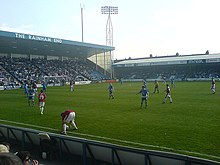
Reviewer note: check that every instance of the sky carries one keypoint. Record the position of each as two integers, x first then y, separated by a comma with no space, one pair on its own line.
141,27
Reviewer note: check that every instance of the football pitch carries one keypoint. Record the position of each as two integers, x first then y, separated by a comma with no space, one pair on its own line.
190,125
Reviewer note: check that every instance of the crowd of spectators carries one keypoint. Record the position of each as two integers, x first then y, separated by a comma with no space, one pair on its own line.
23,70
6,77
8,157
181,72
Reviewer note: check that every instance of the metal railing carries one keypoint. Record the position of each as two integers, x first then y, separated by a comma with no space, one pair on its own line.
94,151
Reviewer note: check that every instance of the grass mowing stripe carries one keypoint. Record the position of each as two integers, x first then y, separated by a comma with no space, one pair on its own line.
116,140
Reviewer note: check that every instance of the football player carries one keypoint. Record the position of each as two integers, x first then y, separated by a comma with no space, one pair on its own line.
31,94
41,98
110,89
168,94
156,86
68,117
144,96
213,86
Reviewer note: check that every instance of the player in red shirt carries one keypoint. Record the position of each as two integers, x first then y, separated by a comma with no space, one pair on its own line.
68,117
41,97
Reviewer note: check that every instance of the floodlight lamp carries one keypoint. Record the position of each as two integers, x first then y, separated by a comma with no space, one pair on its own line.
109,10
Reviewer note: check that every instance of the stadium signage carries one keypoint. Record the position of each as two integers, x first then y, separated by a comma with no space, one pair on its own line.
213,60
195,61
37,38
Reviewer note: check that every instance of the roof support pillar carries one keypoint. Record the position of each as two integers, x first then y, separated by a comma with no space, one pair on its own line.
112,68
9,55
45,57
96,61
104,64
60,58
29,57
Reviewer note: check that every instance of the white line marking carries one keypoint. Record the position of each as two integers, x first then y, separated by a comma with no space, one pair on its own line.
118,140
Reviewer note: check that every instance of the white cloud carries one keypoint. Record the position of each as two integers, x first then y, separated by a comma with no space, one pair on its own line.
21,29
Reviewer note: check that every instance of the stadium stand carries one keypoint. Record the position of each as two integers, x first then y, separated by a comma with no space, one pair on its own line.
26,57
76,67
182,68
25,70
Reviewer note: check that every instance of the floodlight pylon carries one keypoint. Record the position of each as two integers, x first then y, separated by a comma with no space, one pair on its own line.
109,28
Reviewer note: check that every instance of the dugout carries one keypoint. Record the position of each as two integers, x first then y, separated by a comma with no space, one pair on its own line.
72,150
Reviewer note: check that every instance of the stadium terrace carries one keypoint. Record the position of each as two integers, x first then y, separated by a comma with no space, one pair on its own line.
27,57
195,67
170,60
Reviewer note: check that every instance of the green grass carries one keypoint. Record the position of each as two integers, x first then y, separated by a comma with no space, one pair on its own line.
191,123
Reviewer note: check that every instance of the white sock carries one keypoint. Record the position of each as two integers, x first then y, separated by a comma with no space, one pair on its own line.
73,123
64,128
42,109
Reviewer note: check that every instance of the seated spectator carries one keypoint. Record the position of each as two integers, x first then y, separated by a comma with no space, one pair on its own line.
25,157
3,148
9,159
7,145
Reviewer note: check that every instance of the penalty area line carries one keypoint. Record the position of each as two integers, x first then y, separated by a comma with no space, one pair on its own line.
117,140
